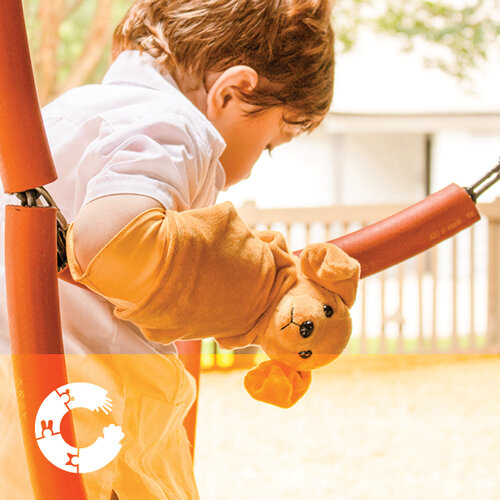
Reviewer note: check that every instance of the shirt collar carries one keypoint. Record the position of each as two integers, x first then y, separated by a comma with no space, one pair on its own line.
220,177
133,66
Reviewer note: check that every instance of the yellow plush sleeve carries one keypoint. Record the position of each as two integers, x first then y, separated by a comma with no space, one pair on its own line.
193,274
126,266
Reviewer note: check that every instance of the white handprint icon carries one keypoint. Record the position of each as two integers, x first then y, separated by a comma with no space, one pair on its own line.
85,395
48,431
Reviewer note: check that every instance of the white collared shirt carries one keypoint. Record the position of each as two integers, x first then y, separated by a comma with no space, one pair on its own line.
133,133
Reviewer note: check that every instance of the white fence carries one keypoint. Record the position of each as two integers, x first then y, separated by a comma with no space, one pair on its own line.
444,300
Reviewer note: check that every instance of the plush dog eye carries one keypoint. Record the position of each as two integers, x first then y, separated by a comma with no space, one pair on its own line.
305,354
328,311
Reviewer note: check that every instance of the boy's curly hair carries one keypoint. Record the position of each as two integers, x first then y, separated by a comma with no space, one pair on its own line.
289,43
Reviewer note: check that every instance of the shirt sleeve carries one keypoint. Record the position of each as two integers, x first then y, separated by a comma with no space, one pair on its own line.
159,160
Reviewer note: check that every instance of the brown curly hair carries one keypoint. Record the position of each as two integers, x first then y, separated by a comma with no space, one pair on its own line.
289,43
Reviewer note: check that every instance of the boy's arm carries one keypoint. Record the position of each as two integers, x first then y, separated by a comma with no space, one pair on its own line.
190,274
101,219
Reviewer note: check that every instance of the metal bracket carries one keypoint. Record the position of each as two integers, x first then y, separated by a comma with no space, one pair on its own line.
30,198
484,183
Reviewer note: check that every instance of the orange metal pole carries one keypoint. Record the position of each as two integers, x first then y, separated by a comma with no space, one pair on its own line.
411,231
26,159
30,254
190,354
36,339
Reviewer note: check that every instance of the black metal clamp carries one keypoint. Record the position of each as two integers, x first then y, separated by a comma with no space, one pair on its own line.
484,183
30,198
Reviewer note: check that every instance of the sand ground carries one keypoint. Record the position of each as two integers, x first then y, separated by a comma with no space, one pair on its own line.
423,427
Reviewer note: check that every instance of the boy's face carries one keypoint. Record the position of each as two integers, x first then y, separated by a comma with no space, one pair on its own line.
248,136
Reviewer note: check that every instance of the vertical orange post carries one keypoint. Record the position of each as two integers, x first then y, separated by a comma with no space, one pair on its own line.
190,354
36,340
26,159
30,255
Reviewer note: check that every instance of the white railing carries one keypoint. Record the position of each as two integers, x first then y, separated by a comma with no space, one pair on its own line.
444,300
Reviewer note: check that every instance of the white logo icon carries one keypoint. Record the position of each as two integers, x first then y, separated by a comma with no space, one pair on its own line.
48,430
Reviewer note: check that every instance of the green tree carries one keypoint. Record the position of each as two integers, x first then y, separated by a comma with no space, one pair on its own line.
464,30
70,41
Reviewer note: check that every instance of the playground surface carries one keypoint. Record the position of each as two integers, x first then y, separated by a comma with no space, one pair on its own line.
372,427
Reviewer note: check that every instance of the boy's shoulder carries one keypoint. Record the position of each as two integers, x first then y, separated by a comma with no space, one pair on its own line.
134,95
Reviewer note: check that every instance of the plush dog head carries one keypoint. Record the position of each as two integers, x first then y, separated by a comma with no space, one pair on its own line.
309,327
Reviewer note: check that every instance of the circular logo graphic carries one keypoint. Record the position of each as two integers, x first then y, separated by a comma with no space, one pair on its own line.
48,429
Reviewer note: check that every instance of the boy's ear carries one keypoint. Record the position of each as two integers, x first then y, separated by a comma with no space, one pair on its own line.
223,88
332,268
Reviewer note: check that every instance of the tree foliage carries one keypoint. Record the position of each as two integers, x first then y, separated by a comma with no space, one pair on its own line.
70,39
463,31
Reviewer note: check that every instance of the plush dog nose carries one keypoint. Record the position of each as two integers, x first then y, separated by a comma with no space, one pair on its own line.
306,328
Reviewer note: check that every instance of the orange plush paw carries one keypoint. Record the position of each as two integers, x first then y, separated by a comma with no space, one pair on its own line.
277,384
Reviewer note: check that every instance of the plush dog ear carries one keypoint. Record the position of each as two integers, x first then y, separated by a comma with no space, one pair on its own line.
277,384
330,267
278,246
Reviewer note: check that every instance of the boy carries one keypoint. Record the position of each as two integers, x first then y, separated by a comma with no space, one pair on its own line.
198,89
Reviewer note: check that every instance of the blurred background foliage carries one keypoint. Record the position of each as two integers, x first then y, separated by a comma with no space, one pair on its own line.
456,34
70,39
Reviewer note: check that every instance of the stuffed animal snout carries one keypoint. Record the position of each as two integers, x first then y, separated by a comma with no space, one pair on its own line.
310,328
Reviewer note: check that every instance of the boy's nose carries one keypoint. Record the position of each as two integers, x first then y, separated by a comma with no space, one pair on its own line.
306,328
